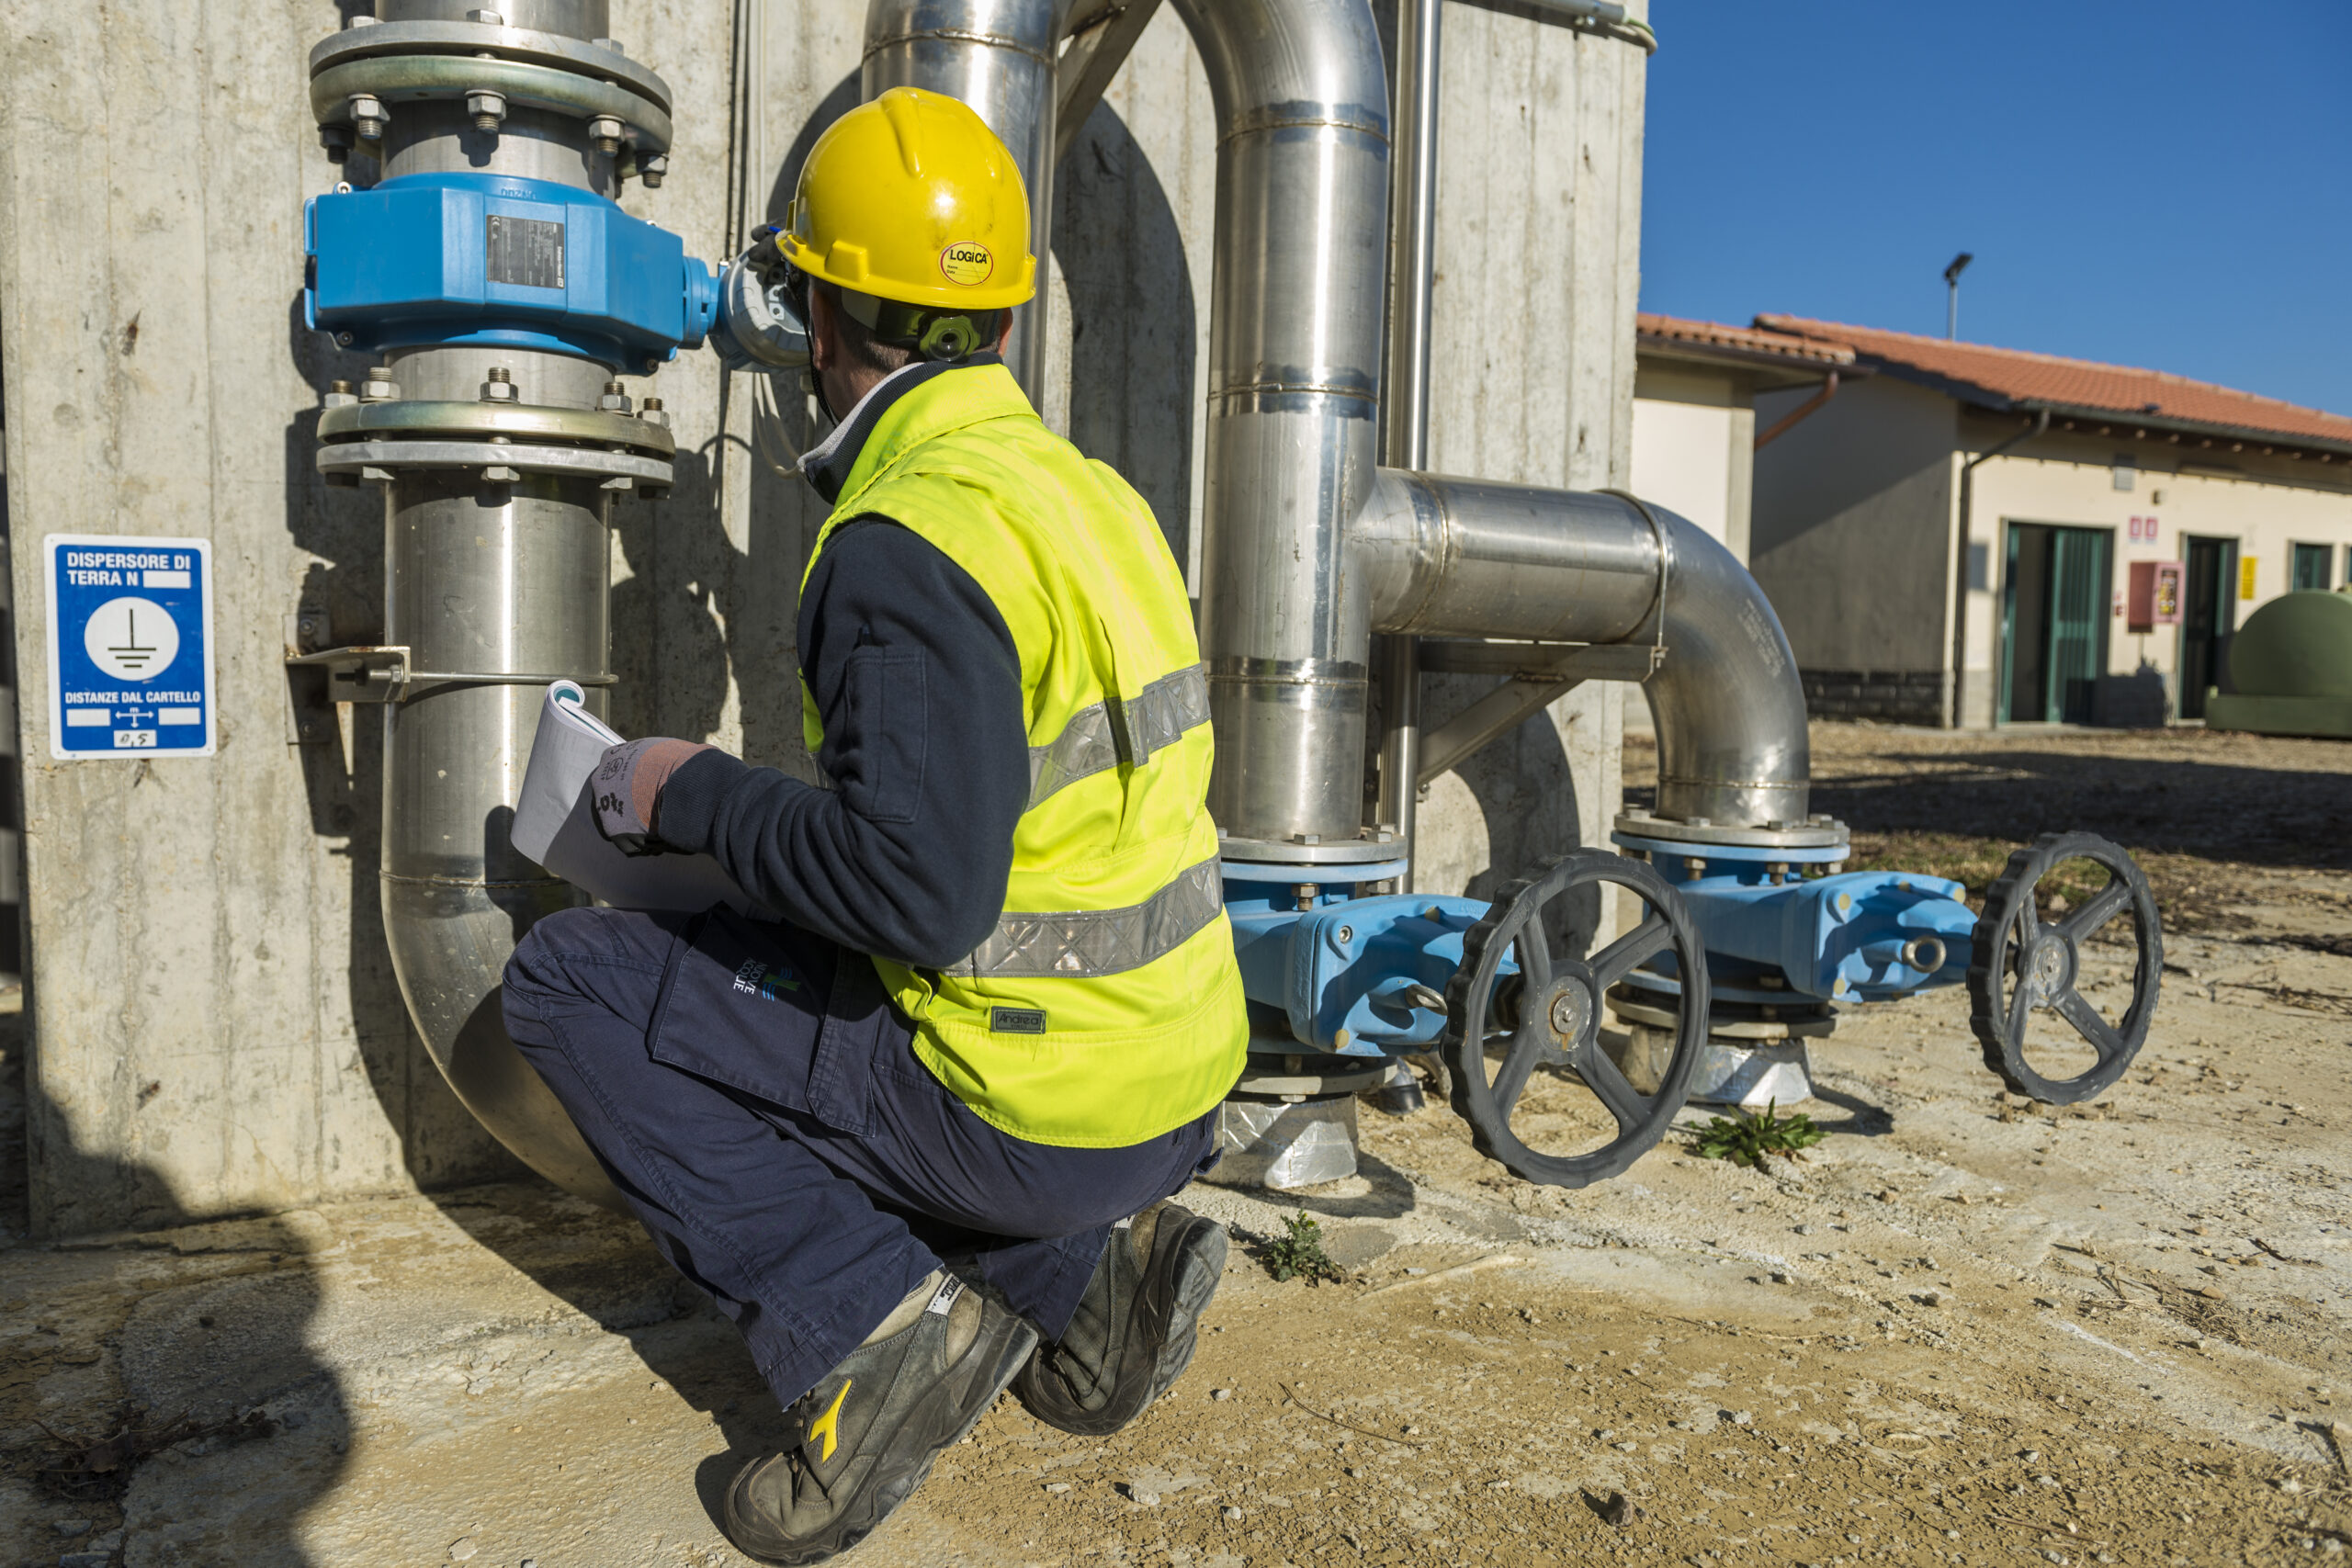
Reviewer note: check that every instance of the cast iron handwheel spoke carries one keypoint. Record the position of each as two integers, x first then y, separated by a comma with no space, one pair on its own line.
1533,951
1528,1050
2021,965
2101,1035
1557,1008
1608,1086
1614,963
2105,905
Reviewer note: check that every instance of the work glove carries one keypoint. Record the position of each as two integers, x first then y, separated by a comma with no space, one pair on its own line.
626,790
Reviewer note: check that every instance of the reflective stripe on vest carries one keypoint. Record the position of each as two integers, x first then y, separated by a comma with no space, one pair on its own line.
1107,734
1100,942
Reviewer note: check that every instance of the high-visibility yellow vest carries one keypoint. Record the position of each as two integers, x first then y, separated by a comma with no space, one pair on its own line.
1106,1008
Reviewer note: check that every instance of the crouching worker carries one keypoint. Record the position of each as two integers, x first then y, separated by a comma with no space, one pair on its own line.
916,1135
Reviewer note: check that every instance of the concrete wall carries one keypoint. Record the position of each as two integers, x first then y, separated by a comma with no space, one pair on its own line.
1694,447
216,1029
1853,542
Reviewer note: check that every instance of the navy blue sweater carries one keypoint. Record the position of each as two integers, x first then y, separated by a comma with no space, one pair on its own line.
918,683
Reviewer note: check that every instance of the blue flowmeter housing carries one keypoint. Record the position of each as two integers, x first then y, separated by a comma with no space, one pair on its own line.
442,259
130,645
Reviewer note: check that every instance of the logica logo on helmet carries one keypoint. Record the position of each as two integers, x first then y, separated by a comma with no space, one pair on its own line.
966,263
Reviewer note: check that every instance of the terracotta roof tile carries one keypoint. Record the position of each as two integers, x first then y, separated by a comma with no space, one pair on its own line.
2017,377
1806,347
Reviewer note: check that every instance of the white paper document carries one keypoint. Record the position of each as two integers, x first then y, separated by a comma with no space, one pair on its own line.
555,822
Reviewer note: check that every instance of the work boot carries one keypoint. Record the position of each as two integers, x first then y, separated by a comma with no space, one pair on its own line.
866,1435
1135,1329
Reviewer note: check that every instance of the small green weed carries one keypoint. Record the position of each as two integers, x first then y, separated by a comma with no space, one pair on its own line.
1300,1255
1749,1139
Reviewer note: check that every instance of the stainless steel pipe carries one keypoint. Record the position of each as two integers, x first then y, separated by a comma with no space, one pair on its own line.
1294,345
486,579
1405,407
996,56
1444,556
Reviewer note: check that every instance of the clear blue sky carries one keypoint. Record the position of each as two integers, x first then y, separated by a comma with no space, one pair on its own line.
2157,183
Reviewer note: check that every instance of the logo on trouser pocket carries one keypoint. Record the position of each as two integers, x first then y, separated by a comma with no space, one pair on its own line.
1017,1021
765,981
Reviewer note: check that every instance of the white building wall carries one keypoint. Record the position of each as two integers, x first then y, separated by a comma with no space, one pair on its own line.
215,1024
2070,481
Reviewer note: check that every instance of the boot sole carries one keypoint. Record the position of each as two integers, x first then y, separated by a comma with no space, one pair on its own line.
1187,1261
1002,1352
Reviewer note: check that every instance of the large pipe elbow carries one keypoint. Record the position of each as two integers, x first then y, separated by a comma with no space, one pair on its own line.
1441,557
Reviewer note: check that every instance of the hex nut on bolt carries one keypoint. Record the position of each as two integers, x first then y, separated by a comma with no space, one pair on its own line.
487,108
340,395
615,398
368,116
652,412
500,388
654,169
380,387
606,131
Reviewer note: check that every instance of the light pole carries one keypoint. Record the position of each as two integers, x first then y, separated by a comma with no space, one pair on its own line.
1952,293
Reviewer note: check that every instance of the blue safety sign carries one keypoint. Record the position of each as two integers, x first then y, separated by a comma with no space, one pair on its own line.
130,645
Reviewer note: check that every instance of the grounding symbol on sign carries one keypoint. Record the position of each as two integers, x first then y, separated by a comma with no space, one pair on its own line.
130,645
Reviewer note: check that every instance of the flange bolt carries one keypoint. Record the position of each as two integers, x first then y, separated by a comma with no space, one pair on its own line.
340,396
615,398
654,169
336,140
500,388
487,108
652,412
606,131
368,116
380,387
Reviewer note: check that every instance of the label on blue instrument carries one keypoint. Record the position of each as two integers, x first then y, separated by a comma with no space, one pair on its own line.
526,252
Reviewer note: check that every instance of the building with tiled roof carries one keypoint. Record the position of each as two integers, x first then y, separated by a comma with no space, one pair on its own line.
1981,536
1695,386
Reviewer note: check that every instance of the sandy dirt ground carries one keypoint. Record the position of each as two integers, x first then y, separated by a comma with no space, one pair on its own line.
1963,1330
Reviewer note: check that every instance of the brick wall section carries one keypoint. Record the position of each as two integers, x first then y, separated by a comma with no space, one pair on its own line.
1891,696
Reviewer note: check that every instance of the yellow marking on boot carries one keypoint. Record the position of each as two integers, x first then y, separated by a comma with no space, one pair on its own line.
826,1423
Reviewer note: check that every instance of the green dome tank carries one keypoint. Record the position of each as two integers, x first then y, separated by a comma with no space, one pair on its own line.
2291,663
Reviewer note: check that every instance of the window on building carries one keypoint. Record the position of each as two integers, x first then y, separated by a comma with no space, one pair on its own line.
2312,566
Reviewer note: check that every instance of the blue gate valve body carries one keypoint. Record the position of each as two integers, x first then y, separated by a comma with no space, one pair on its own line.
1351,976
446,259
1863,936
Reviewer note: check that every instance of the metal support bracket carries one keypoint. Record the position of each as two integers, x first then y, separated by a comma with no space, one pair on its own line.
383,675
1538,674
1100,39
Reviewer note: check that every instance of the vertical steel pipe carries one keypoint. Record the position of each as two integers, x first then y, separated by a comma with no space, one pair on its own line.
1404,404
485,579
1294,314
996,56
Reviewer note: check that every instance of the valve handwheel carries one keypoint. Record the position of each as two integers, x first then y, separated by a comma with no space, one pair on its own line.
2024,963
1551,1017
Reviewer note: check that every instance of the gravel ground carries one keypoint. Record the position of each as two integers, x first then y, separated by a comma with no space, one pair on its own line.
1962,1330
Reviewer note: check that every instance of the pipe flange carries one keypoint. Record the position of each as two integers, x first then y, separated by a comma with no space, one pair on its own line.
1316,1076
473,40
394,79
1814,833
523,421
1732,1023
1373,844
499,462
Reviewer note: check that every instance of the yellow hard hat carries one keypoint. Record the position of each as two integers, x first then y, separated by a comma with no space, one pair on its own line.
912,198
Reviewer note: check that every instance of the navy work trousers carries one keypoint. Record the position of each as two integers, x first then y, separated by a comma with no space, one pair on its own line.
757,1101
